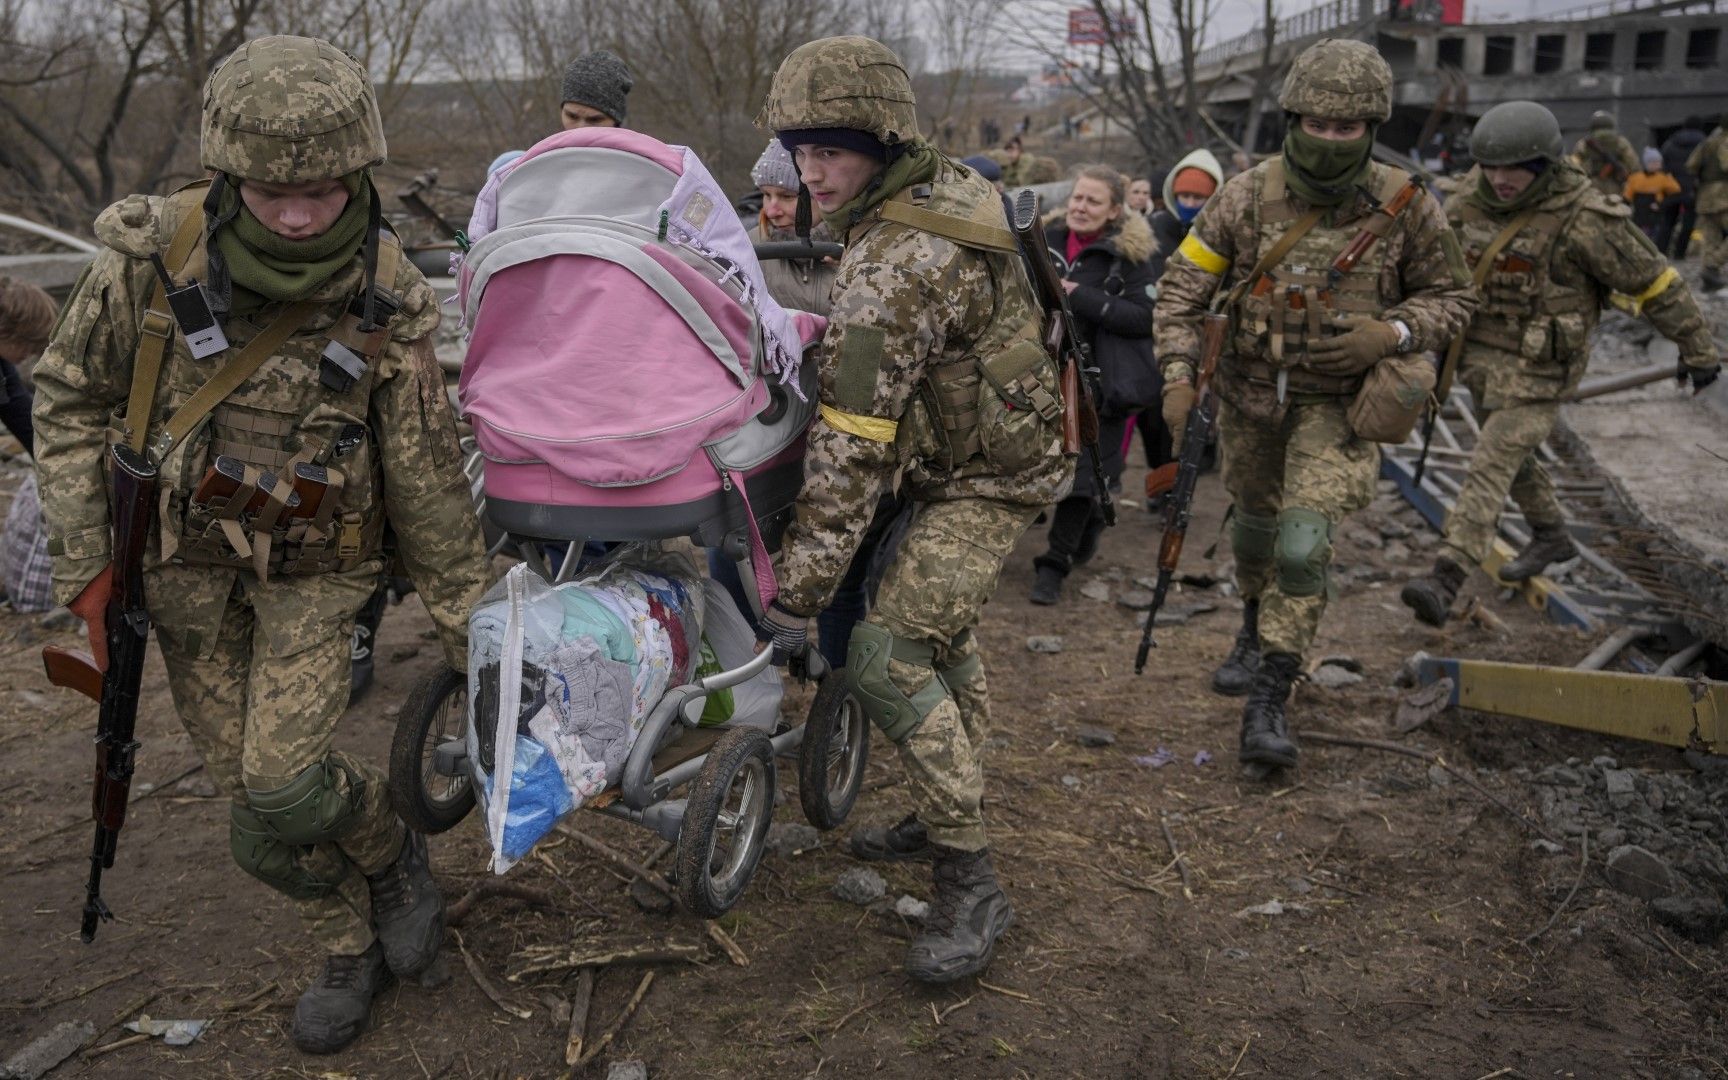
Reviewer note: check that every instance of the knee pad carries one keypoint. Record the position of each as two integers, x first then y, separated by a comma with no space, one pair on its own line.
297,871
1253,539
897,713
1304,552
313,808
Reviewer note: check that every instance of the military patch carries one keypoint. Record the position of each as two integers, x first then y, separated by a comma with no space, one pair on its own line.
857,369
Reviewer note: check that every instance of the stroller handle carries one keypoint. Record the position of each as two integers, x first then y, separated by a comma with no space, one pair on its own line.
720,680
799,249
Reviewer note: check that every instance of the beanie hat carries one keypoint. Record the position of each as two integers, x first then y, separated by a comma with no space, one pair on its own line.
600,81
845,138
1652,159
775,168
1192,181
984,167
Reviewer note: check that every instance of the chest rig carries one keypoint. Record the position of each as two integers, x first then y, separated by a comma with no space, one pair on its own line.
992,411
266,460
1521,300
1298,301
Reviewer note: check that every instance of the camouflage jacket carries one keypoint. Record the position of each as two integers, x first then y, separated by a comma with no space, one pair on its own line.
1709,165
906,303
1415,274
414,480
1608,162
1578,252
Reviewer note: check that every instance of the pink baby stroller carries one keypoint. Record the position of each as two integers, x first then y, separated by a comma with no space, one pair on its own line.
628,378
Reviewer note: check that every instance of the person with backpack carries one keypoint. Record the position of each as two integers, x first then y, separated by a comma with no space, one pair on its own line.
933,377
1560,247
322,358
1302,342
1105,252
1605,155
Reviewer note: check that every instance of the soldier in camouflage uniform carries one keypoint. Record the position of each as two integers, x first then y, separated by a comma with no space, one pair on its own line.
1605,156
1300,346
254,594
1709,163
1548,250
933,378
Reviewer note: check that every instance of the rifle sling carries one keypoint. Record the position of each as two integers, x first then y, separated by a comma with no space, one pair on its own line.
1478,277
973,234
1275,254
235,372
155,332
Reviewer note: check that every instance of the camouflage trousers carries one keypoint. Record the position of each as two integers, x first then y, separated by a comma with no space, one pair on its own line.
1309,461
1713,234
1503,463
933,593
259,675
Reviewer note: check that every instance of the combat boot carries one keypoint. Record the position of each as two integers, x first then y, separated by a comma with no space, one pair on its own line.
1712,280
335,1008
1547,546
967,914
1047,588
1236,674
1265,731
408,909
1431,597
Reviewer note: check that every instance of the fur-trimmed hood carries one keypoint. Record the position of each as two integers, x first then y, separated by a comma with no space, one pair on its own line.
1132,240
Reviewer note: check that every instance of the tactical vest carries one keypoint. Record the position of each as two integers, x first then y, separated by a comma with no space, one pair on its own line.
992,412
299,489
1524,311
1272,330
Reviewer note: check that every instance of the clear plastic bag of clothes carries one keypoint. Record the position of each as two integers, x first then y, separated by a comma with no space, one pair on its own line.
576,667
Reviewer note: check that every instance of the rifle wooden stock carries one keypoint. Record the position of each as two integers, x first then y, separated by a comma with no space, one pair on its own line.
73,669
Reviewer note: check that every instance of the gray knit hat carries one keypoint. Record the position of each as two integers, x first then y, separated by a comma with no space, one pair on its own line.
774,168
600,81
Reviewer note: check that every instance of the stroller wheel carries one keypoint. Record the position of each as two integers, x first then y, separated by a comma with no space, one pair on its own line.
831,758
725,822
435,713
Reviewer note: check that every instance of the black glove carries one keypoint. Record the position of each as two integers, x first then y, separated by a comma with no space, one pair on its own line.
788,633
1700,377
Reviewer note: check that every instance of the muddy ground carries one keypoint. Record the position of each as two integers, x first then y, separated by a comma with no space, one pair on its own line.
1419,936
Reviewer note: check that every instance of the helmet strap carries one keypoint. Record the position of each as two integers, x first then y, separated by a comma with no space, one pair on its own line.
802,217
219,283
374,225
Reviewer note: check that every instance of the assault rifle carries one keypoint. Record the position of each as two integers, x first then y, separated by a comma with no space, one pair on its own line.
1180,477
1063,342
132,482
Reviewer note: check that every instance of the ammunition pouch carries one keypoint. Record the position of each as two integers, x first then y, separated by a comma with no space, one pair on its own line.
897,713
299,872
1004,408
1304,551
1392,398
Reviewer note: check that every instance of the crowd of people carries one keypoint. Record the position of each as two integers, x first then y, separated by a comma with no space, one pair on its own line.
939,421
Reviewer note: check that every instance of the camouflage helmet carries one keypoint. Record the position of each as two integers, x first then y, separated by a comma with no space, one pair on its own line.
286,110
1514,132
1601,119
1339,79
843,82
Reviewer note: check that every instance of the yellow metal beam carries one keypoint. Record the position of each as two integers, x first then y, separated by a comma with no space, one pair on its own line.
1672,711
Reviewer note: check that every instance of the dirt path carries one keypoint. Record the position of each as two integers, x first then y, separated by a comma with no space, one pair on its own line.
1408,899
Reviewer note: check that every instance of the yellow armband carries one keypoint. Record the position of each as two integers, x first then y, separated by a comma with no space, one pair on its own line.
1202,256
1633,305
873,428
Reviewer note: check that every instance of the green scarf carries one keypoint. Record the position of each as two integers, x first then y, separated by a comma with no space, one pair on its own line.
265,267
1324,171
1540,188
917,164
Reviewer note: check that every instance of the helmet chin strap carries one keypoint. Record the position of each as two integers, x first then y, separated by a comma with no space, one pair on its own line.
374,224
218,282
802,218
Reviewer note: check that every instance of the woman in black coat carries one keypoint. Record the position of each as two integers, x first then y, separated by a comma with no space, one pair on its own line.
1106,254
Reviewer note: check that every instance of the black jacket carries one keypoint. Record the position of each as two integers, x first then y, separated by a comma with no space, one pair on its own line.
1675,150
1169,231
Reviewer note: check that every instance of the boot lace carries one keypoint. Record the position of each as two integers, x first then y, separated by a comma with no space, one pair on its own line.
392,887
1247,644
950,893
343,972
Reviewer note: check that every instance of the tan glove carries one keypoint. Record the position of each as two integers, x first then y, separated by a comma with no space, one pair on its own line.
1366,343
1178,400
